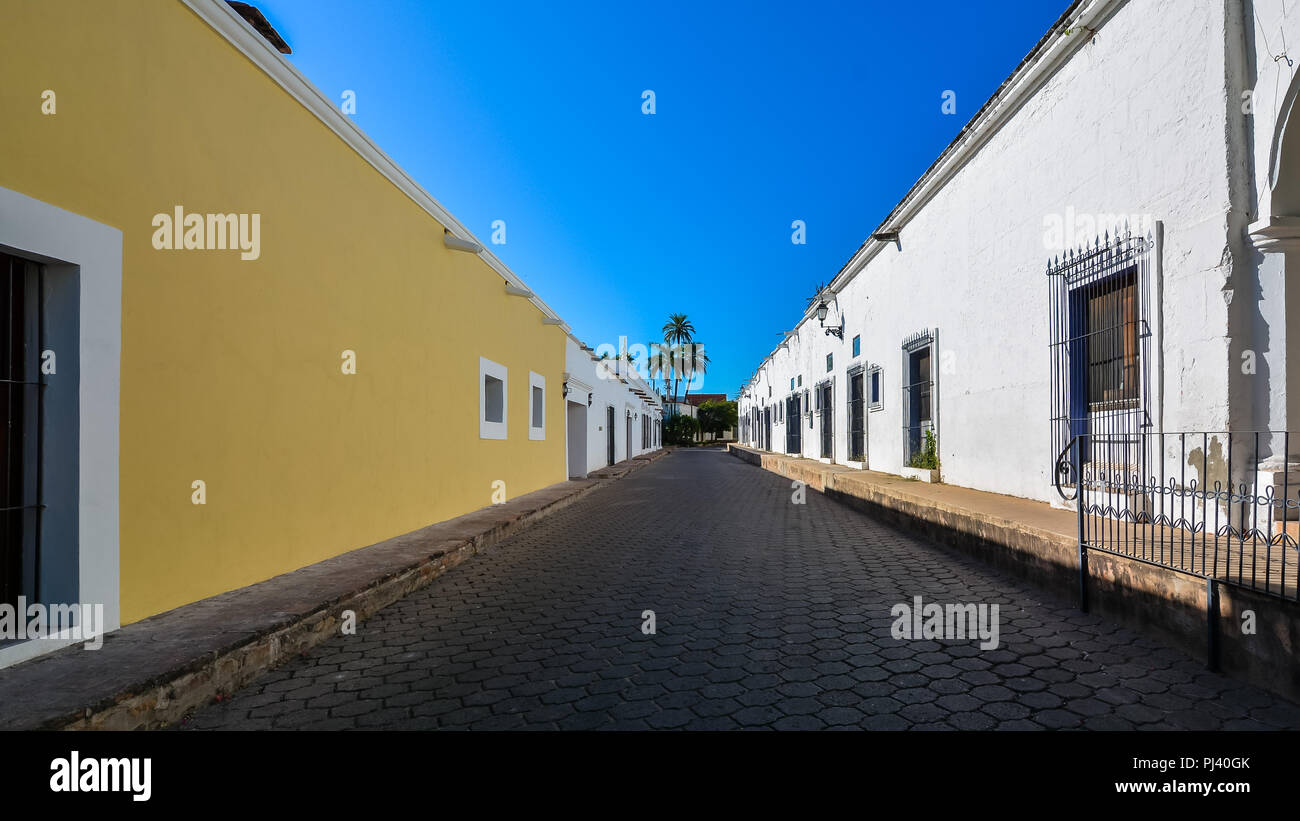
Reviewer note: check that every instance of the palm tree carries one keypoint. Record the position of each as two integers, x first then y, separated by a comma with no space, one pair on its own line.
678,331
674,361
694,360
660,363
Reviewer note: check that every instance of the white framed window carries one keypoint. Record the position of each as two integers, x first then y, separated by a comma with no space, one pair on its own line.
492,399
536,406
82,261
874,389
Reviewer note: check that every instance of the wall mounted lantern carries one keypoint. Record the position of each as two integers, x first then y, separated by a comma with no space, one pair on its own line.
835,330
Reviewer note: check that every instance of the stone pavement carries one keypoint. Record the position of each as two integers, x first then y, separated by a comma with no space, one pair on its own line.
768,614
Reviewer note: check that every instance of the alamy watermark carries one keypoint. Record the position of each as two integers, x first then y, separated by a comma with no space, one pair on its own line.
126,775
949,622
208,232
1073,230
69,622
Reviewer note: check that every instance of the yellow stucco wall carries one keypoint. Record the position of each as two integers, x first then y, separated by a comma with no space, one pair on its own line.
230,368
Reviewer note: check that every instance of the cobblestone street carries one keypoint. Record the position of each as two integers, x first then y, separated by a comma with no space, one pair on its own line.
769,614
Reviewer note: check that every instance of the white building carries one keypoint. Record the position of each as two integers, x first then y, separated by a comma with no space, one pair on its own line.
1110,245
611,413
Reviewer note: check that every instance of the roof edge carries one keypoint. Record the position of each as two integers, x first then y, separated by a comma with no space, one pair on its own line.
228,23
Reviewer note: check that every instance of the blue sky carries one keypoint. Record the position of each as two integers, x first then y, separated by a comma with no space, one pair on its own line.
765,113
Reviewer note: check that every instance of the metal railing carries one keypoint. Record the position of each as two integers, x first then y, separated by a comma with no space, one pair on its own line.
1224,506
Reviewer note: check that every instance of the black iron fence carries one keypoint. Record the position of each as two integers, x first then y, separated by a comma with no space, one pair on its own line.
1223,506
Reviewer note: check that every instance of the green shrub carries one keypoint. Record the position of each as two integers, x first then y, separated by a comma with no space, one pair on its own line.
927,458
680,430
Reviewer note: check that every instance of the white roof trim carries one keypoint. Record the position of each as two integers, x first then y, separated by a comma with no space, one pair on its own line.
226,21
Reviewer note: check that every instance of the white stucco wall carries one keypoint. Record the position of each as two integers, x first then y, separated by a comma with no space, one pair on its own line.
609,389
1132,123
1268,84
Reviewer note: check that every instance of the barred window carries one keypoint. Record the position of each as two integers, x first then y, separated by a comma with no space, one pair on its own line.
1113,358
1101,351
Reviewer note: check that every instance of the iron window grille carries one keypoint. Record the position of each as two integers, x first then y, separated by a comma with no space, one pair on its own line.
920,416
857,415
21,482
793,441
825,405
1100,353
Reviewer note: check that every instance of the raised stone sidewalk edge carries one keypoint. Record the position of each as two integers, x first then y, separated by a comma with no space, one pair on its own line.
149,674
1039,543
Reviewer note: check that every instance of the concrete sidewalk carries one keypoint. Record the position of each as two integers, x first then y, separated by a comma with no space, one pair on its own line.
1039,543
150,673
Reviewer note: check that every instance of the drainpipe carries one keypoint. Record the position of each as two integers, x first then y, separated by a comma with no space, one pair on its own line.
1241,283
1241,287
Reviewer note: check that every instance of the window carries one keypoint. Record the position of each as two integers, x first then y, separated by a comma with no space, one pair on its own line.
792,383
918,395
857,346
1102,350
793,444
20,430
830,362
494,389
826,405
857,419
537,411
874,393
75,444
491,399
1113,361
801,380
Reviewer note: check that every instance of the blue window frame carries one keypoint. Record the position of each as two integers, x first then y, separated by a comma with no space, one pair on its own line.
857,345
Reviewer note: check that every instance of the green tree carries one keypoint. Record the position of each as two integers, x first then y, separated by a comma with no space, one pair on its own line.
716,417
680,429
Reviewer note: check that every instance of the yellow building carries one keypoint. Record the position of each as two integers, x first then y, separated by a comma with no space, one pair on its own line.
261,344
